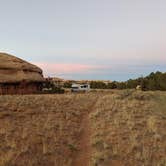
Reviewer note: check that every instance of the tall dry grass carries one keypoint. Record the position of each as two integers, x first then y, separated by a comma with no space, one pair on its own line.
127,128
41,129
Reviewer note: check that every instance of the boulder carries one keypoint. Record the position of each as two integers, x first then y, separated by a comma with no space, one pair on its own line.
13,69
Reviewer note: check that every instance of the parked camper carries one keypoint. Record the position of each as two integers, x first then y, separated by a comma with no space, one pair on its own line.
80,87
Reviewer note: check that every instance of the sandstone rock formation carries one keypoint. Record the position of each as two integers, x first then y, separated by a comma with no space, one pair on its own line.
18,76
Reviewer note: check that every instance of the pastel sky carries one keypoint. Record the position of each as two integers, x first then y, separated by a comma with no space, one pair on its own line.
86,39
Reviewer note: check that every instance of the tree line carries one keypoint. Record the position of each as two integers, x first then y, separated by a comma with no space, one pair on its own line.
154,81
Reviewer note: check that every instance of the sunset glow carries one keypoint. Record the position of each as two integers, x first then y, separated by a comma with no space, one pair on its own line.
93,39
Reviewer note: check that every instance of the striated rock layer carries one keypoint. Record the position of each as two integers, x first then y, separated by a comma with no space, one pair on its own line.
18,76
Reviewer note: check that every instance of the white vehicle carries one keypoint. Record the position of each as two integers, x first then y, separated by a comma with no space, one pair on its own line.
80,87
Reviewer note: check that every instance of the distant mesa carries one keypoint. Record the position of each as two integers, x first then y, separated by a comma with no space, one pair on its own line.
18,76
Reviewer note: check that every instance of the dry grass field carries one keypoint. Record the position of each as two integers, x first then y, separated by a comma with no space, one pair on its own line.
109,128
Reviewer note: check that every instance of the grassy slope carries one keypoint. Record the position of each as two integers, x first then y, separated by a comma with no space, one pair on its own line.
127,128
40,130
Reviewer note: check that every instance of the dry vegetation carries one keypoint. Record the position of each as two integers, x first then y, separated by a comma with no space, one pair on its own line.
40,130
107,128
129,129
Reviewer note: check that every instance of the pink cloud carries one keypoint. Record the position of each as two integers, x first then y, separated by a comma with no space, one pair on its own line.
63,68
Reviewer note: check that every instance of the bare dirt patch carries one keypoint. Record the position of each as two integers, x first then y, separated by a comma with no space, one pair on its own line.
83,155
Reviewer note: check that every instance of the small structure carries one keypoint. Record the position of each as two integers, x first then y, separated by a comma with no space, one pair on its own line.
80,87
18,76
138,87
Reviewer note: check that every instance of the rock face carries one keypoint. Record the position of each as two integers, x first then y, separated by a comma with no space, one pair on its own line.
18,76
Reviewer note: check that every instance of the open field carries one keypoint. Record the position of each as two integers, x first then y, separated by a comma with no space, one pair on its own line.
119,128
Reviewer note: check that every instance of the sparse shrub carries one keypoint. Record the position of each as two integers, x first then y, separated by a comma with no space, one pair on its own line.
72,147
67,84
142,96
125,93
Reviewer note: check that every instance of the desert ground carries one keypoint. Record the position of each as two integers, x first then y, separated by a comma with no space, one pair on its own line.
99,128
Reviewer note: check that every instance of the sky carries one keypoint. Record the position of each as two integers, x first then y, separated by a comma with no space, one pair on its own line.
86,39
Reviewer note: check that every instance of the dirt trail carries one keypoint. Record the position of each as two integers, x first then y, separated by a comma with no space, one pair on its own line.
83,156
84,153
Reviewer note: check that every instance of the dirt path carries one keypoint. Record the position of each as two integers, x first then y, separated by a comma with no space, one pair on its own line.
83,156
